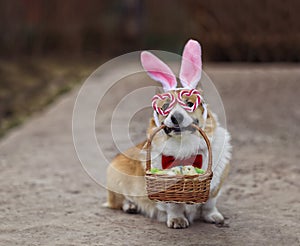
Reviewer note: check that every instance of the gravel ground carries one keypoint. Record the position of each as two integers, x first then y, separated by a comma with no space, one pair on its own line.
46,198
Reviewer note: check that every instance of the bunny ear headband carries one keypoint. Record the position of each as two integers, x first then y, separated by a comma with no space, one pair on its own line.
190,74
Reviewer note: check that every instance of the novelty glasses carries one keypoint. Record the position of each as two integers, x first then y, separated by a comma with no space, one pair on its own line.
167,101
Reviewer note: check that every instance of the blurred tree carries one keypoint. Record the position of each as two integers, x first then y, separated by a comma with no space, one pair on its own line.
235,30
244,30
130,24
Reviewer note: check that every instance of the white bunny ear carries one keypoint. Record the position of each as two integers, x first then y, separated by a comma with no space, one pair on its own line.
158,70
191,65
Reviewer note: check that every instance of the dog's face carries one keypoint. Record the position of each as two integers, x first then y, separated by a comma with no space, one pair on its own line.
177,110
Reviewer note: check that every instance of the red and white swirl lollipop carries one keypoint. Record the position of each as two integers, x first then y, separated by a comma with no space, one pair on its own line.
163,97
189,93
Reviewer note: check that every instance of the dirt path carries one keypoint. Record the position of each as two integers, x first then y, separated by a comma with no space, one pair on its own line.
47,199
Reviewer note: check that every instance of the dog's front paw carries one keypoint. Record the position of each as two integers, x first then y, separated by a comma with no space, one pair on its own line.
178,223
214,217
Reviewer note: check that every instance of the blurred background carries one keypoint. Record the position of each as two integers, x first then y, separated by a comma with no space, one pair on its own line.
47,47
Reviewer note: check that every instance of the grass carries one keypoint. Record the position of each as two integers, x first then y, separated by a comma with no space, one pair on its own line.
28,85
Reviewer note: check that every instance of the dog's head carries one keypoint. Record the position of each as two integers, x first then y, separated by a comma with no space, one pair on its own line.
178,108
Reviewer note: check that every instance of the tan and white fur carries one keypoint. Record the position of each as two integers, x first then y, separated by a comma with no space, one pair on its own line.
125,174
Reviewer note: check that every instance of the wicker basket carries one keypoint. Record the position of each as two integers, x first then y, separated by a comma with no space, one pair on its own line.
190,189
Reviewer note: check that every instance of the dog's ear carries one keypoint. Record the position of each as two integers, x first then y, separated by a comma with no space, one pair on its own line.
191,65
158,71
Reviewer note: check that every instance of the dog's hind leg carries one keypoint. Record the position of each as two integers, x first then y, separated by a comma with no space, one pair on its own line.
114,200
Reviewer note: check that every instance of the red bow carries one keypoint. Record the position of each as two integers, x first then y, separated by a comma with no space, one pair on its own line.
170,161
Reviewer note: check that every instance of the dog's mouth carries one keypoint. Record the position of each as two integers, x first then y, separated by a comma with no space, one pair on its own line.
177,130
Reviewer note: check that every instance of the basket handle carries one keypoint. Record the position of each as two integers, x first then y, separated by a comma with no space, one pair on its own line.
149,141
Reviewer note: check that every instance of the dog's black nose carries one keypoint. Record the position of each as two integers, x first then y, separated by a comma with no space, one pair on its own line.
177,118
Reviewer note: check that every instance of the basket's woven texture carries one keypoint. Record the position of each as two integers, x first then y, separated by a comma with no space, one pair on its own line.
188,189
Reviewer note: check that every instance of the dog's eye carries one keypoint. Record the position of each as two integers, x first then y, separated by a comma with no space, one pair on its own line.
165,106
190,104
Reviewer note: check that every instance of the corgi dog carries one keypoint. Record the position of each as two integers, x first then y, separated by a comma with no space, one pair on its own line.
177,109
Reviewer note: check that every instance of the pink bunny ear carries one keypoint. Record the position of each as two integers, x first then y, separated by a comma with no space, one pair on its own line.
191,65
158,71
